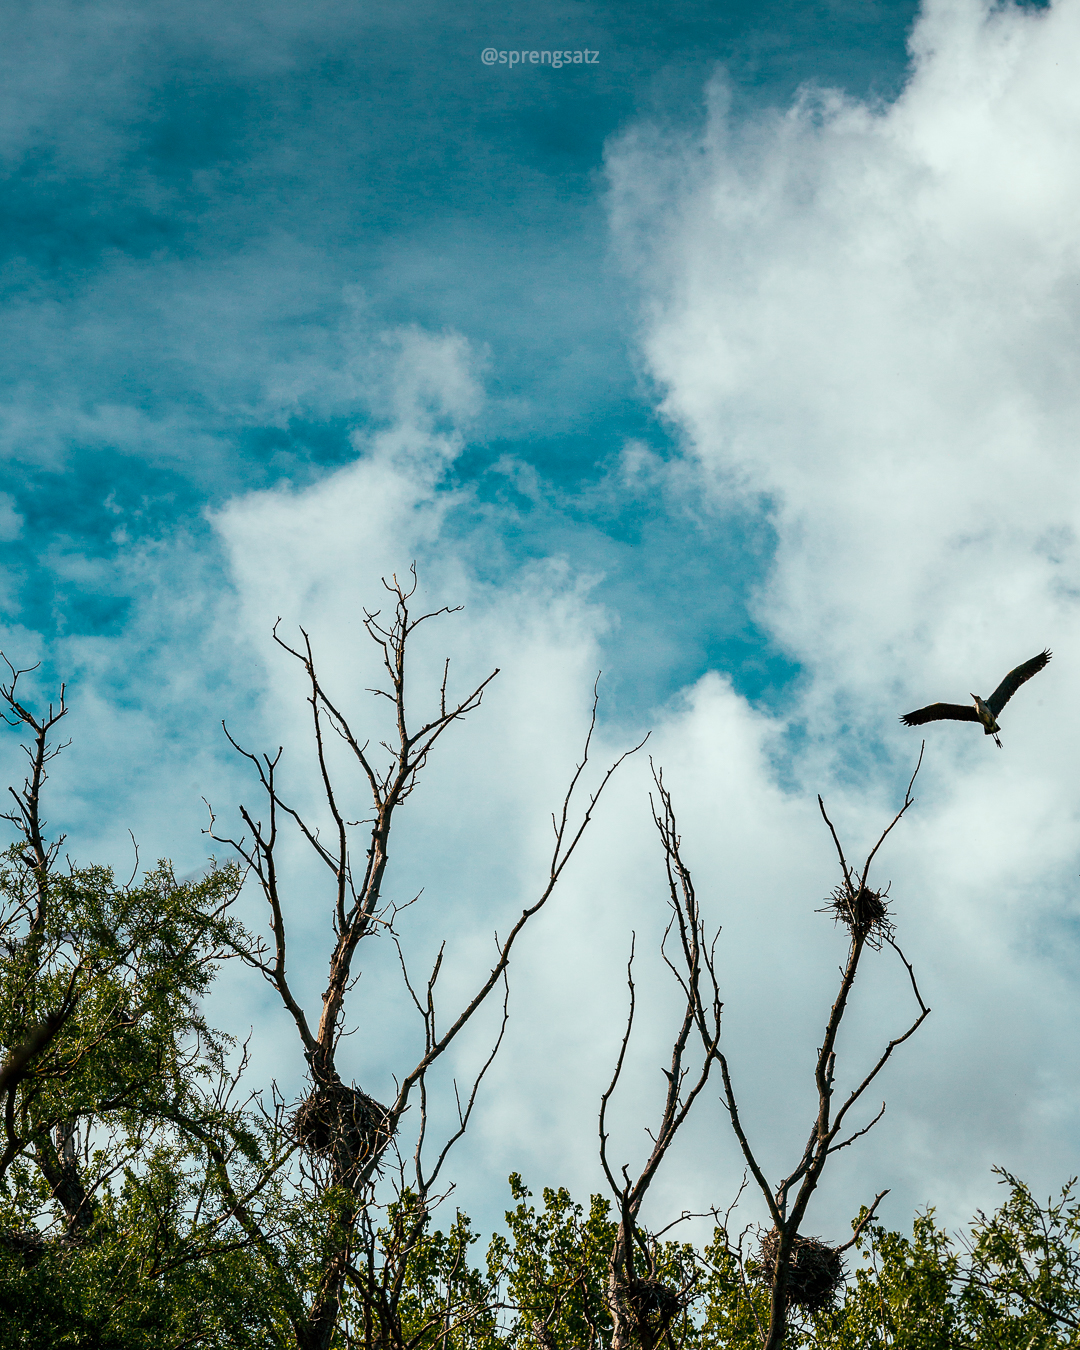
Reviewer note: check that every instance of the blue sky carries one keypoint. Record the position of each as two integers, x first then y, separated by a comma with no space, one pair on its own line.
740,363
199,199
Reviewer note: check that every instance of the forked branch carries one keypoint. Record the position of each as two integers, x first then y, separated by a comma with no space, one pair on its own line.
638,1317
864,913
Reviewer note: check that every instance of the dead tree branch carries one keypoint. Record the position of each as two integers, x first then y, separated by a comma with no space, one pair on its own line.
864,913
349,1131
641,1307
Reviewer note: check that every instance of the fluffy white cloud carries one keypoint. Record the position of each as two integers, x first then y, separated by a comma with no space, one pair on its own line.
868,316
476,838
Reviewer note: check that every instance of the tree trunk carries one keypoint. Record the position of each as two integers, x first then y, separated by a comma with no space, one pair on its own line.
60,1170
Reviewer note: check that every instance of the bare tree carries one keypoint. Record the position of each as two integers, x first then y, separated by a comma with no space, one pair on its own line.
642,1305
348,1139
38,853
803,1272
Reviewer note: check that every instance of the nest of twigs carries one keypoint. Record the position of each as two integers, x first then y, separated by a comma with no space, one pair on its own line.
815,1270
542,1335
335,1120
649,1304
863,912
27,1243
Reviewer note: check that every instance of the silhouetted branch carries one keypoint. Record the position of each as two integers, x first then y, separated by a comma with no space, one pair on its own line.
635,1317
865,914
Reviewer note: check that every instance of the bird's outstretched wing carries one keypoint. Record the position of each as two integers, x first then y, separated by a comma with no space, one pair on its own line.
1015,678
939,712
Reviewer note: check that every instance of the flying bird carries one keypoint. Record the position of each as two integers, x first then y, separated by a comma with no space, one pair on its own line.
985,710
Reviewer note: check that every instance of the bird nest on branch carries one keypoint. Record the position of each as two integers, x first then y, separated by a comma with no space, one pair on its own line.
33,1246
815,1270
649,1305
863,912
335,1120
27,1243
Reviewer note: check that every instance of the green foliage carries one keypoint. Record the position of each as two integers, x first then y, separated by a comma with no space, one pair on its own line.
142,1275
734,1307
114,1228
1012,1284
442,1300
135,962
555,1266
905,1296
1023,1271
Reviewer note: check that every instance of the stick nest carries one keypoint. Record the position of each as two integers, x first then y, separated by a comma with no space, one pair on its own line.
815,1271
649,1304
863,912
33,1246
27,1243
335,1120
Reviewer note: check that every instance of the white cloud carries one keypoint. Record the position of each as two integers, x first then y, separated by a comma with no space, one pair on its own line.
870,317
477,835
11,522
866,316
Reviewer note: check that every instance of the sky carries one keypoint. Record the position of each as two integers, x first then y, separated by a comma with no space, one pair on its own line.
738,364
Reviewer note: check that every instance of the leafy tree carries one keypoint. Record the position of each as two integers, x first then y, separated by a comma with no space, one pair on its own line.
907,1295
555,1264
1011,1283
1022,1271
445,1302
733,1308
113,1226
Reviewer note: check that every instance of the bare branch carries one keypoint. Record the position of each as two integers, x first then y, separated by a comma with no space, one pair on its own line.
835,1148
744,1144
628,1326
840,852
358,909
425,1184
606,1096
856,1234
908,801
865,915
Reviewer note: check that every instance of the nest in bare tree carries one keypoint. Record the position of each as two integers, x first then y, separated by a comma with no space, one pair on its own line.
815,1271
336,1119
649,1304
863,912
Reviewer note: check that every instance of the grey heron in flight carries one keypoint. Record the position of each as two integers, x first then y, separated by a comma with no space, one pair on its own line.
985,710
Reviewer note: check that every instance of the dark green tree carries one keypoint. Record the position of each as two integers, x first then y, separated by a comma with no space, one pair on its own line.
116,1095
